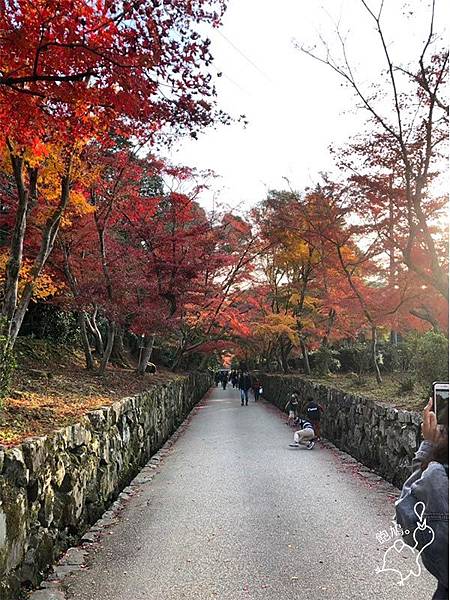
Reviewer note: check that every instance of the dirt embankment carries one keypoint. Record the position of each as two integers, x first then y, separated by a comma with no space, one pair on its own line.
51,389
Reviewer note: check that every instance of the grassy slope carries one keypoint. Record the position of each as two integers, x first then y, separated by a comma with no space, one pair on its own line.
51,389
387,393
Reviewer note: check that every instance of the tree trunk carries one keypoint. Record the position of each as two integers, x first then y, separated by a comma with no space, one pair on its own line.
47,243
394,337
50,231
94,330
108,349
85,341
146,354
305,357
374,355
424,313
14,264
179,355
203,363
283,357
330,323
118,354
15,261
392,266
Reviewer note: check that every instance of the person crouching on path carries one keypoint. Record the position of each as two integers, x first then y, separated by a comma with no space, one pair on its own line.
245,383
304,434
313,412
291,407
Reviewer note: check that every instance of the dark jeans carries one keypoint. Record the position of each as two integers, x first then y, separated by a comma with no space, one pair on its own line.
244,396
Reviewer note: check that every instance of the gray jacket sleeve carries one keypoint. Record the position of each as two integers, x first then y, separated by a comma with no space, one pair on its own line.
429,487
422,454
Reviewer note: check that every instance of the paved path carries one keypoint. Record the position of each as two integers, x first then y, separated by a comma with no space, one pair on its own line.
235,514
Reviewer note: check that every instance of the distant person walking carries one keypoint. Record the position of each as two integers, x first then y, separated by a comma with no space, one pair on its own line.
224,379
291,407
234,378
245,383
256,387
313,412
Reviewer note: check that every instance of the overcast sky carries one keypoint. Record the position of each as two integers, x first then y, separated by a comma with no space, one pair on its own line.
295,106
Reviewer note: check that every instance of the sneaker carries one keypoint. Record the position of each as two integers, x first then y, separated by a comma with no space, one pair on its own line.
310,445
294,445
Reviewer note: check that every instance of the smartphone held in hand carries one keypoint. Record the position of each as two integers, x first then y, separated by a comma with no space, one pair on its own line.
440,401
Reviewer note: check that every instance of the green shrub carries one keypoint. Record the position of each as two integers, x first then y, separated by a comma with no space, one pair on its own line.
346,356
47,322
431,358
355,358
325,361
406,384
358,380
362,357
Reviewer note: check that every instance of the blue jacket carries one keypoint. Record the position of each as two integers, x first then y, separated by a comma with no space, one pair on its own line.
429,487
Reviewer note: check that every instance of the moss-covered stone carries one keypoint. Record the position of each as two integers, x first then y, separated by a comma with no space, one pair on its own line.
53,488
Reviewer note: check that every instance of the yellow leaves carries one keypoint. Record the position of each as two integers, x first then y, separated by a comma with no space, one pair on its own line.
53,162
294,252
310,303
348,255
296,249
306,323
44,286
78,206
276,326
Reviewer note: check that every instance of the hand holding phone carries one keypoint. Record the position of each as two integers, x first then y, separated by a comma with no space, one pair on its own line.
430,430
440,401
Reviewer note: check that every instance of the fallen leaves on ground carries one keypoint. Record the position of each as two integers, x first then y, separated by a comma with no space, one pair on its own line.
51,389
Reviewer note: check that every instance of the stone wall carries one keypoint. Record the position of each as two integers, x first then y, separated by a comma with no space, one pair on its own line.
52,488
381,437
